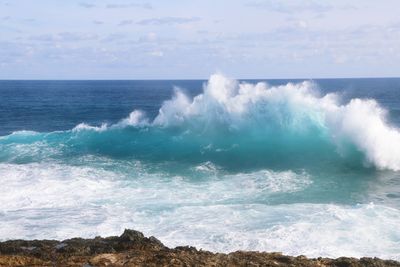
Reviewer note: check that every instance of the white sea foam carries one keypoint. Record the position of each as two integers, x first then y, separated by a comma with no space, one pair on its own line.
208,167
136,118
313,230
52,200
84,126
270,182
47,185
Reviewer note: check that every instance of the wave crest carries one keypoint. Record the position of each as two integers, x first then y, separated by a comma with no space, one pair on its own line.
292,109
242,123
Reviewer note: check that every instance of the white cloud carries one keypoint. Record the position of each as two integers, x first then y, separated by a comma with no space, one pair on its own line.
156,53
168,20
267,37
291,6
125,22
141,5
87,5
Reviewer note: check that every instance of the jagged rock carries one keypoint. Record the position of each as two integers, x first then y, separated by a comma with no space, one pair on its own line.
132,248
131,236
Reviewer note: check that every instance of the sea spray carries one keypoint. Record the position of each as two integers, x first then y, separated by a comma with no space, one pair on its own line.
232,120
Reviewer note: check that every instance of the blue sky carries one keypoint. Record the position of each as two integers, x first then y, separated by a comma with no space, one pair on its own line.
148,39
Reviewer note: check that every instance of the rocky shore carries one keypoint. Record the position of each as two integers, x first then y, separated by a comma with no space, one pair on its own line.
132,248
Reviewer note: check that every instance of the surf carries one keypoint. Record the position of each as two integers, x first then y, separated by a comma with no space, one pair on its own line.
238,165
251,125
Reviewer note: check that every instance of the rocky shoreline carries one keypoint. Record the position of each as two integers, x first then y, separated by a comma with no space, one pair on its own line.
132,248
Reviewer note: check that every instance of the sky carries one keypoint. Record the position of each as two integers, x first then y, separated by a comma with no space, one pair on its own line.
182,39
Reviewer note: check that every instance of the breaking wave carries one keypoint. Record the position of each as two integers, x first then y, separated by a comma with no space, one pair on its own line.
233,123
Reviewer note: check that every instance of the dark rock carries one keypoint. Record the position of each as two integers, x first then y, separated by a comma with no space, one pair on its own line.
132,248
156,241
186,248
131,236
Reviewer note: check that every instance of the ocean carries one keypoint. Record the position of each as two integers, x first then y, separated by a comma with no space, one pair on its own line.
307,167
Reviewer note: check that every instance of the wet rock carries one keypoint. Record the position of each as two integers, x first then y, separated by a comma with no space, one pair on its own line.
156,241
131,236
132,248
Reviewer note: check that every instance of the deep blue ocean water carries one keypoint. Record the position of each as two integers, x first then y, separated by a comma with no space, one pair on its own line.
303,167
60,105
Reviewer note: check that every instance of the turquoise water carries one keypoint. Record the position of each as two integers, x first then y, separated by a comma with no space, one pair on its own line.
301,167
